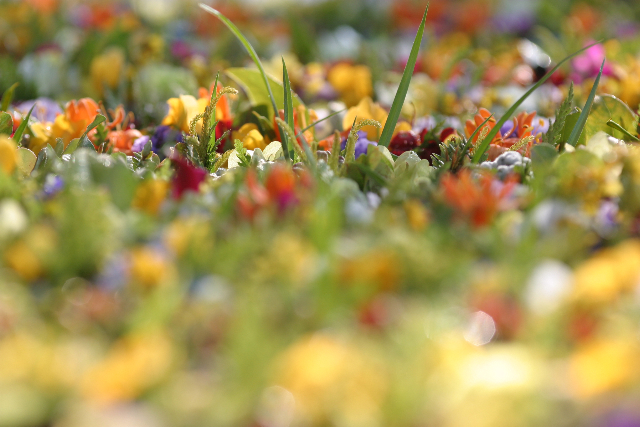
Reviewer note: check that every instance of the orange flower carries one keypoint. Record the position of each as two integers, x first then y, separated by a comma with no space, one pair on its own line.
122,140
70,125
522,128
477,201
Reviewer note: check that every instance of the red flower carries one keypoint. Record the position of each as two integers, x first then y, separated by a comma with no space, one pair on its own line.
187,177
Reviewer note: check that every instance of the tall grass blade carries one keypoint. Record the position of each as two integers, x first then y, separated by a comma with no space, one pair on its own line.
584,115
401,94
288,108
484,145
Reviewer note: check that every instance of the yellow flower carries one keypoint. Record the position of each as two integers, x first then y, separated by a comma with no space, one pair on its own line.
148,267
132,365
183,110
417,215
150,195
602,366
332,381
366,109
8,155
251,137
107,69
610,272
353,82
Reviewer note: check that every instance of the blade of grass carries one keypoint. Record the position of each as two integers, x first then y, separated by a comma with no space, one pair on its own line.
584,115
319,121
252,53
401,94
17,136
484,145
7,97
288,106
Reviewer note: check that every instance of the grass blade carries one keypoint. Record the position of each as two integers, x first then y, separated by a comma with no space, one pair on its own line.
401,94
619,128
475,132
319,121
484,145
17,136
288,108
582,119
7,97
252,53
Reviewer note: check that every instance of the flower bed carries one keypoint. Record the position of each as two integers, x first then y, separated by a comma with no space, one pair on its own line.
286,246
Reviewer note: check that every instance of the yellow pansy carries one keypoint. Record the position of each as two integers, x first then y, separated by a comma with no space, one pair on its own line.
352,82
8,155
183,110
251,137
366,109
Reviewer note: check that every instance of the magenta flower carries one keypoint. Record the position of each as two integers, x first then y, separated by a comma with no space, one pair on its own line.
587,64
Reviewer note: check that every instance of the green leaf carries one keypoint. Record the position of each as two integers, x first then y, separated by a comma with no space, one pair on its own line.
6,123
543,153
608,108
7,97
288,108
73,146
484,145
398,101
84,140
251,82
26,161
582,120
17,137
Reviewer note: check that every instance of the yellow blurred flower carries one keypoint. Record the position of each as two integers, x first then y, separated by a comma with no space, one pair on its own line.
132,365
602,366
417,214
150,195
352,82
366,109
8,155
107,69
28,256
148,267
377,267
608,273
333,383
251,137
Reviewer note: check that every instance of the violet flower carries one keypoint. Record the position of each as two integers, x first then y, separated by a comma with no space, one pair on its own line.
362,144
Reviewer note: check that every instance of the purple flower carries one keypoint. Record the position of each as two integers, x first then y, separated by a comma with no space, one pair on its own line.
361,145
53,184
46,109
164,135
138,144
